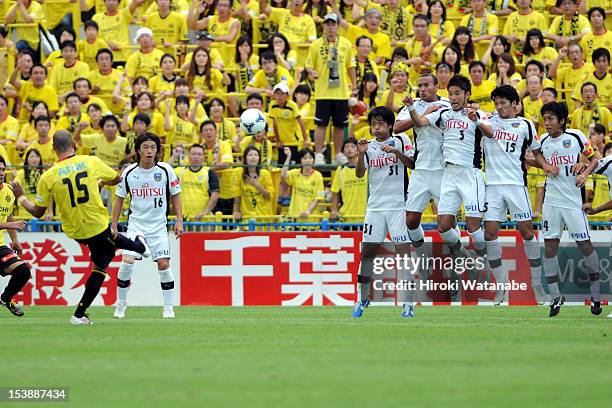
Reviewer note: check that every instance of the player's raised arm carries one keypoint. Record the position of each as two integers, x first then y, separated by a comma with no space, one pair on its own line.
418,120
30,207
484,127
362,148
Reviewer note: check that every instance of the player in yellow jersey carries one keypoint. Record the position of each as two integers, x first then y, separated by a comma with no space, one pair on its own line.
349,192
10,262
74,183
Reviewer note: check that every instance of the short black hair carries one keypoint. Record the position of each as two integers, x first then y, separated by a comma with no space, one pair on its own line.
477,63
73,95
181,99
74,84
112,118
536,63
91,23
104,51
95,106
255,95
196,145
507,92
420,17
461,82
383,112
551,90
594,9
143,117
363,37
4,98
268,56
304,152
303,89
207,122
444,65
39,65
67,44
599,129
558,109
350,140
430,74
3,31
148,136
587,84
41,118
600,52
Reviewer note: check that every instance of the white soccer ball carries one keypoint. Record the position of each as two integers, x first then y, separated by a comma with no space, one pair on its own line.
252,121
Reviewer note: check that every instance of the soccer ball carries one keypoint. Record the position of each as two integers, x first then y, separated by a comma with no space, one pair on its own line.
252,121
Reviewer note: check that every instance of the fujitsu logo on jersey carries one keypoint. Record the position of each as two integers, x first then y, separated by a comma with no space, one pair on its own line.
146,191
383,160
501,135
556,159
457,124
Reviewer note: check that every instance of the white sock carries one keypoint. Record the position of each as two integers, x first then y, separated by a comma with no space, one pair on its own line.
451,237
167,284
417,234
478,238
532,251
124,276
494,256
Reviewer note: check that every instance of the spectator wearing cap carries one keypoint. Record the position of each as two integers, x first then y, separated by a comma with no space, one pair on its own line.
331,62
145,61
204,40
399,88
381,43
114,28
222,26
289,128
168,26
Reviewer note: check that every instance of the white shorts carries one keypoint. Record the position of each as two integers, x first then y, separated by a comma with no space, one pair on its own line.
502,198
554,219
461,184
424,185
159,244
378,223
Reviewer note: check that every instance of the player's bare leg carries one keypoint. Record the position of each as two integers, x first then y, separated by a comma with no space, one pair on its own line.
551,265
591,264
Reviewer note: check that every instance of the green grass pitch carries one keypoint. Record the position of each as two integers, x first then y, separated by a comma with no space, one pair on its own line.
314,357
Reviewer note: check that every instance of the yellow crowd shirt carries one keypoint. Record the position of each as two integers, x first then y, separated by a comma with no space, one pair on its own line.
590,42
106,86
221,152
216,84
568,77
172,28
7,204
87,51
601,194
9,128
518,24
583,26
62,77
305,190
181,131
604,89
29,34
297,29
28,93
264,147
219,28
195,191
289,131
252,202
481,94
397,24
111,153
116,28
318,60
353,191
582,117
261,80
46,151
73,183
381,43
145,64
159,84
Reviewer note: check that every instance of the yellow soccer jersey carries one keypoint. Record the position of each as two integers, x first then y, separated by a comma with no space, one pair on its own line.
561,26
201,115
116,28
265,149
536,178
73,183
582,117
29,34
381,43
172,28
481,94
217,29
601,195
216,85
181,131
159,83
87,51
297,29
590,42
221,152
106,86
546,54
260,80
111,153
157,123
305,190
62,77
7,204
46,152
9,128
362,68
518,25
252,202
604,89
289,131
29,94
318,60
353,192
145,64
196,187
568,77
226,130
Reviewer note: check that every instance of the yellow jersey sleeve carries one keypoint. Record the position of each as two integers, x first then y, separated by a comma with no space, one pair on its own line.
101,170
335,187
292,175
226,152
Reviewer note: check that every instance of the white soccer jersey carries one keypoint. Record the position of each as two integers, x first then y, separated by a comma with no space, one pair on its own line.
462,138
387,176
505,152
564,152
604,167
149,190
427,140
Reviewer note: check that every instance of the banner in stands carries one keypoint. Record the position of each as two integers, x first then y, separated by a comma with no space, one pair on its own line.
60,267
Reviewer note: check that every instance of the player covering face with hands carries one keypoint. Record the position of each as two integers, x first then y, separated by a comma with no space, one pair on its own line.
386,158
151,185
